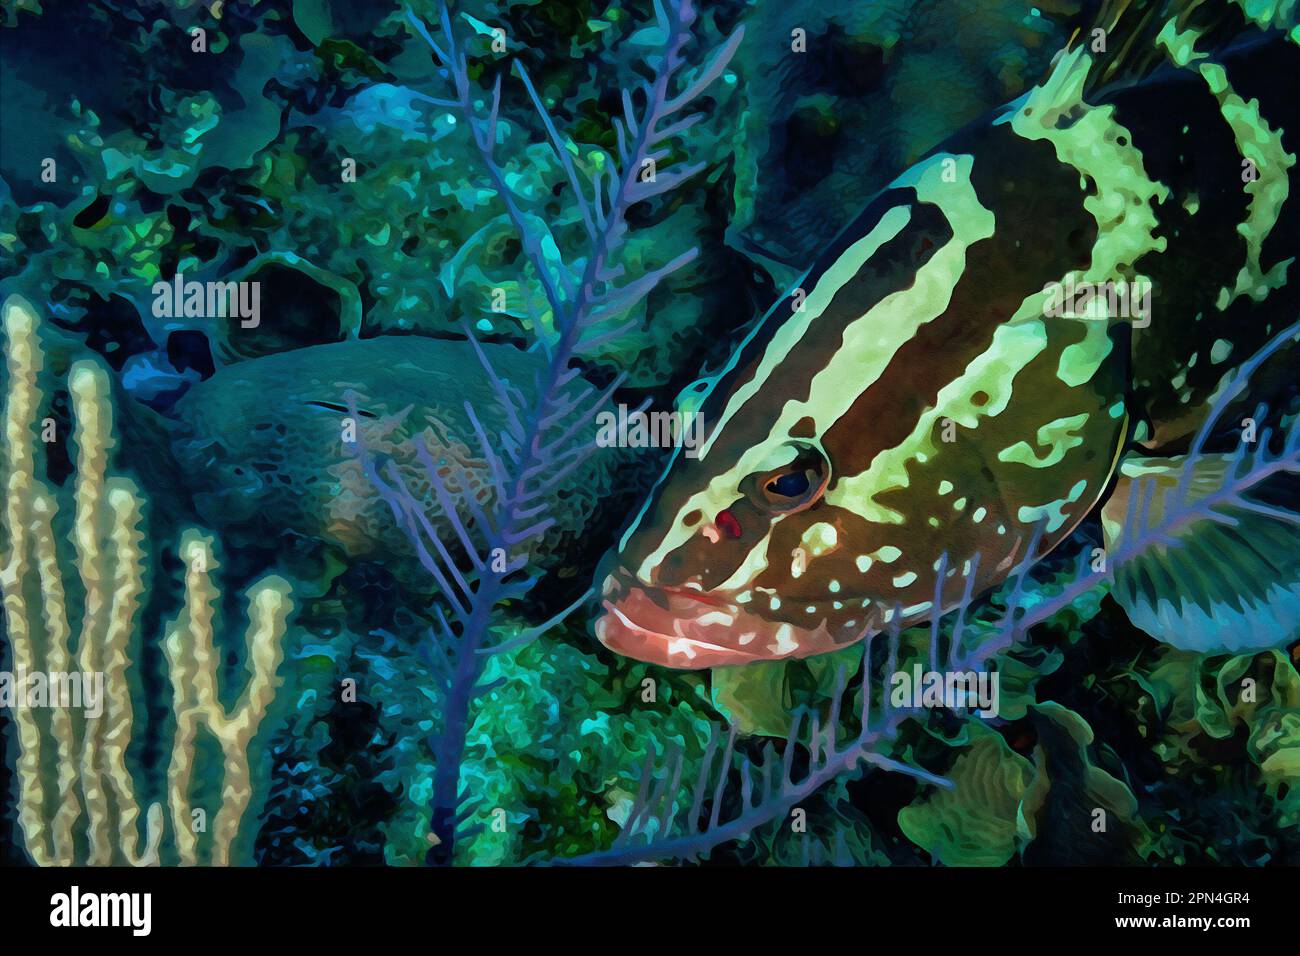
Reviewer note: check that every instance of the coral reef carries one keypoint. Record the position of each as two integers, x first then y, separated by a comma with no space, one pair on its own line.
460,254
88,766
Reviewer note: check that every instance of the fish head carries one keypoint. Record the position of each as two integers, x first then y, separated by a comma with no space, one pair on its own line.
693,583
892,438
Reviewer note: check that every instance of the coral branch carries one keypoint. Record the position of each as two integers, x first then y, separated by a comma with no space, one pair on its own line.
91,757
90,763
193,667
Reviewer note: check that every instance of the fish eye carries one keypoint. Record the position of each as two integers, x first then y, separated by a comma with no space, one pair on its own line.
792,484
795,485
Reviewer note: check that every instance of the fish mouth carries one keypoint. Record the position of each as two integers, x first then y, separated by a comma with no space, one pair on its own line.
691,630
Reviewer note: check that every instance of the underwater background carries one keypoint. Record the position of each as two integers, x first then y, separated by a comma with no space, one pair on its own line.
327,646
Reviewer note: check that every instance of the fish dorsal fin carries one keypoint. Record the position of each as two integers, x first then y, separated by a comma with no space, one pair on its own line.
1218,572
1122,35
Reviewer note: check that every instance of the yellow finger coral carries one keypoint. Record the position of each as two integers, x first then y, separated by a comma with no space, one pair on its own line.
87,769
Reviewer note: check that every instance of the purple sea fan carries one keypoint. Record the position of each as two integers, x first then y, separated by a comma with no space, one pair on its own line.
550,433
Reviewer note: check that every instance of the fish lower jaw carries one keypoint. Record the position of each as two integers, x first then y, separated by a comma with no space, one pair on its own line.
679,630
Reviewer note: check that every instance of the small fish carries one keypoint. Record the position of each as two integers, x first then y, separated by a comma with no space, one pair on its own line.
921,403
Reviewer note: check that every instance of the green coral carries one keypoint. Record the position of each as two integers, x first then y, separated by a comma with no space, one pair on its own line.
974,824
1074,810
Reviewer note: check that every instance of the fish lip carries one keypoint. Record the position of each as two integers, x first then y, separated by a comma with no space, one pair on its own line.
687,629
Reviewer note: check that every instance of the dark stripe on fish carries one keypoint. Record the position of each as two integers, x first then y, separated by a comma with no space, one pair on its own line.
1022,183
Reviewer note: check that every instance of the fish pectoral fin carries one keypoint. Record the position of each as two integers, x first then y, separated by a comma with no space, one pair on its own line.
1199,568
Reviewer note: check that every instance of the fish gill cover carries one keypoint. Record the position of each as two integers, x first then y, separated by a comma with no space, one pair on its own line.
587,433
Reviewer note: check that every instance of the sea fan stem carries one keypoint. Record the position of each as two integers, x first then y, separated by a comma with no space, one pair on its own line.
537,451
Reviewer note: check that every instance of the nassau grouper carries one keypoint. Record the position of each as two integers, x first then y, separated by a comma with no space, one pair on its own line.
938,385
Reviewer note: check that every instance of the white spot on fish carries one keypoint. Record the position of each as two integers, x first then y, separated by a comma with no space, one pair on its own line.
716,617
785,642
798,563
681,646
820,538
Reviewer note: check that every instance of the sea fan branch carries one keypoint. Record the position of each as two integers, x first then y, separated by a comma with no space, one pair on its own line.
534,452
828,759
